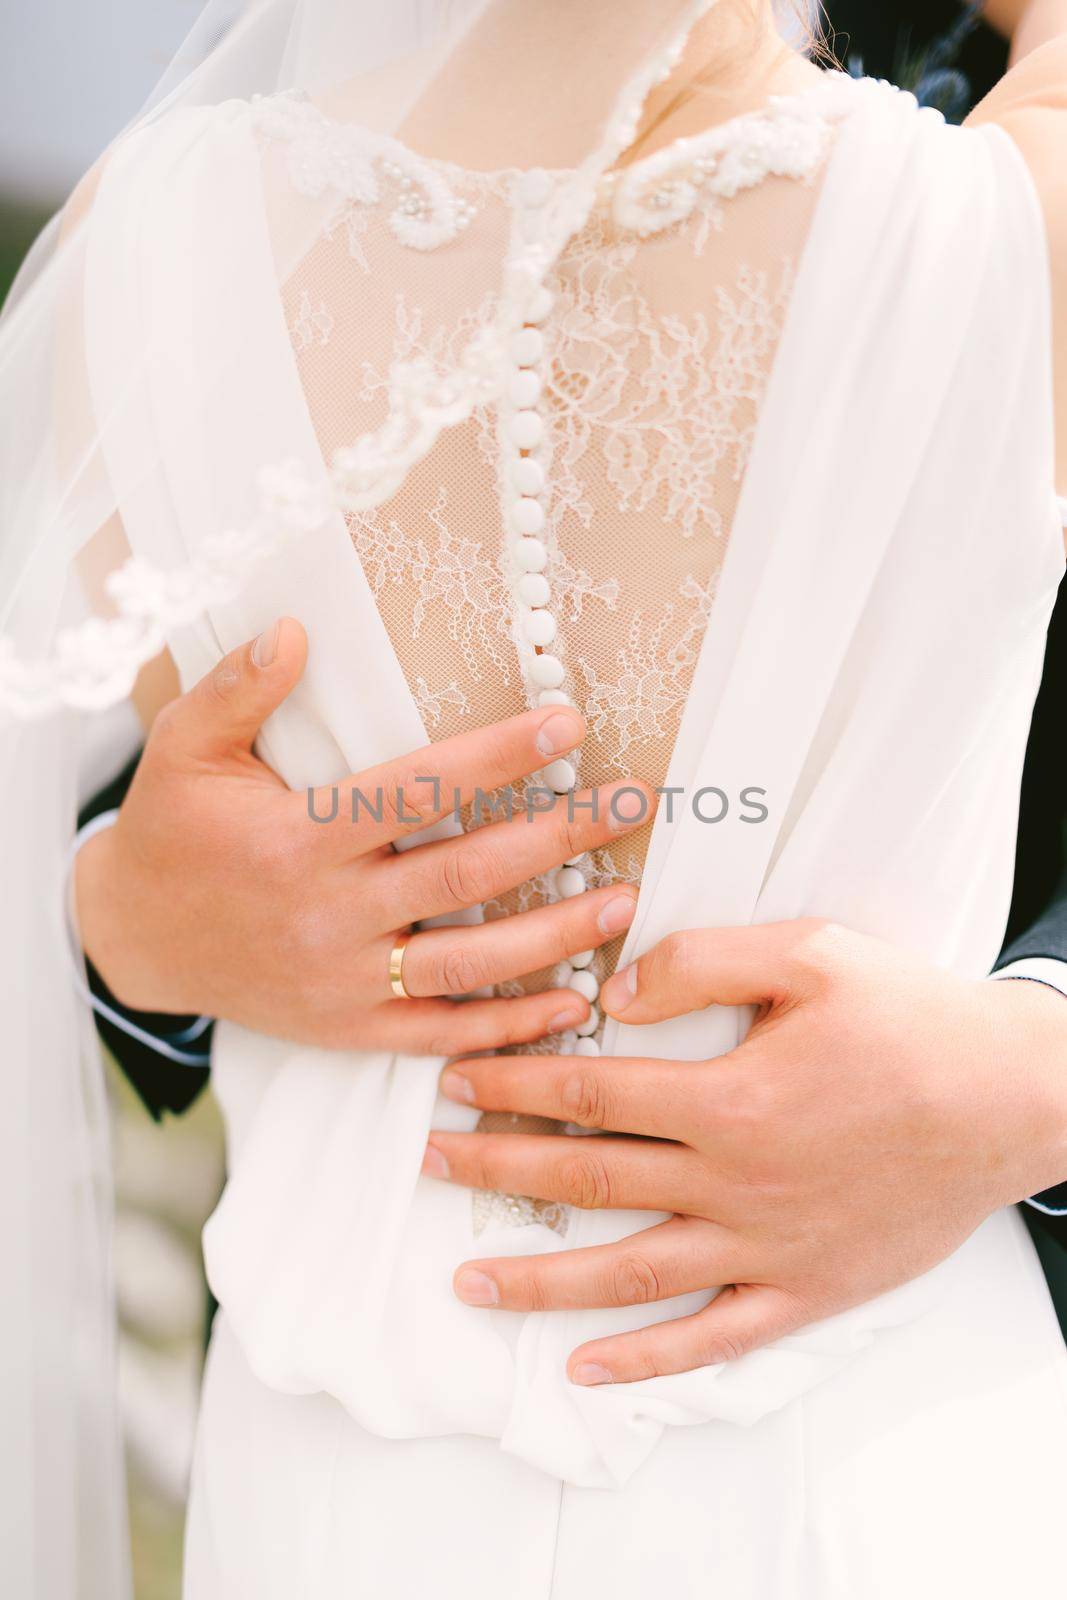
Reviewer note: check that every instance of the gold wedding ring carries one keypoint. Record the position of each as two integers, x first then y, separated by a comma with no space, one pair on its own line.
396,966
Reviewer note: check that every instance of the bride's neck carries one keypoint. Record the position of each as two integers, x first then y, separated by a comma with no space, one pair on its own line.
735,57
536,83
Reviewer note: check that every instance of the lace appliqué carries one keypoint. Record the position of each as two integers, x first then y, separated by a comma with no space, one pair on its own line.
448,571
665,408
363,169
428,205
645,699
313,324
516,1211
787,138
432,702
670,402
96,663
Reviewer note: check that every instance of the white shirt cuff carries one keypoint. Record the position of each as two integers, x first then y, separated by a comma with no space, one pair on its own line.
1053,973
1039,969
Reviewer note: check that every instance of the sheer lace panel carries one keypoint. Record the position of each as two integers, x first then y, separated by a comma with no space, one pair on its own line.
666,313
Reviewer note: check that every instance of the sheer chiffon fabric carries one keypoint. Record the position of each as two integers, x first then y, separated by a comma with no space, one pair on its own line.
931,1466
884,566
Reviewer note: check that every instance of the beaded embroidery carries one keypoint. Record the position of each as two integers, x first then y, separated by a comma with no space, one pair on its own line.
96,661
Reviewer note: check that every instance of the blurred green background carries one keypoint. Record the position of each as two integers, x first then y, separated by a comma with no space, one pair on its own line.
19,226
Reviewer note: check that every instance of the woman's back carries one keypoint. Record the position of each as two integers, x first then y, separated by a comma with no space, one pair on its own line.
765,475
758,439
564,542
638,380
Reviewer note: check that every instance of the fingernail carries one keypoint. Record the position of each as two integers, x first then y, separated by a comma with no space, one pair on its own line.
617,914
569,1017
454,1086
590,1372
626,807
620,990
560,732
476,1289
265,647
434,1164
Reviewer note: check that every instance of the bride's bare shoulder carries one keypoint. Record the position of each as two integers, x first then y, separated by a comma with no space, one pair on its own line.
1030,104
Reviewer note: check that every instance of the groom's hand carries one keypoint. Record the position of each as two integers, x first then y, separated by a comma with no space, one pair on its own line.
877,1112
216,893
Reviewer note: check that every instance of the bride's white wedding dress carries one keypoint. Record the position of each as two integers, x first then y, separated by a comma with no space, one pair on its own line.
781,432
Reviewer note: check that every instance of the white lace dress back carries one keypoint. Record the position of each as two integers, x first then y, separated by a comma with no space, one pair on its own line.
665,311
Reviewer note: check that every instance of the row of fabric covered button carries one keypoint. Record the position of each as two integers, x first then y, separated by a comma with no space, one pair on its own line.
546,674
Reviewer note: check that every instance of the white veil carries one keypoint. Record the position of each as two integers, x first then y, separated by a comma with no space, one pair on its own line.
81,612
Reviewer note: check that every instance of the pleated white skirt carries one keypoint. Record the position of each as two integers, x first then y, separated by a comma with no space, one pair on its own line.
933,1466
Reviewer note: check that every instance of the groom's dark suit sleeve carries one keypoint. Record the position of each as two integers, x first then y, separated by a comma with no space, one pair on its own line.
1037,928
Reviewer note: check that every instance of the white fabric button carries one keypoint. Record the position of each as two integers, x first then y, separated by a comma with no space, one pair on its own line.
586,1047
561,776
535,188
553,697
527,347
569,881
547,671
585,984
526,429
540,305
539,627
534,589
527,515
590,1025
530,555
528,475
525,388
583,958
